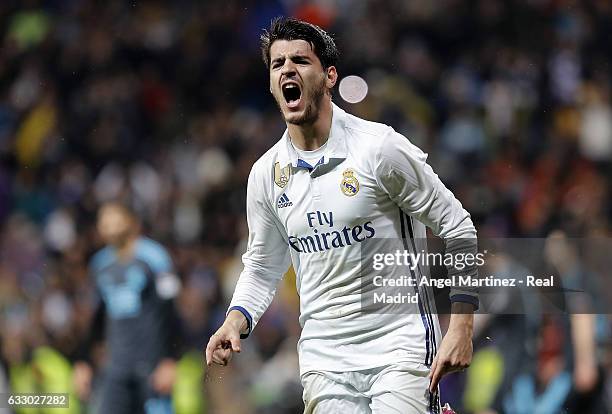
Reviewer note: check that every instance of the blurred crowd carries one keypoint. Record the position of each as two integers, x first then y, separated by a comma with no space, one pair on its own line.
166,104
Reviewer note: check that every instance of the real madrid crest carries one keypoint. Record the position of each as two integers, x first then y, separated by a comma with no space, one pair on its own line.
281,175
349,184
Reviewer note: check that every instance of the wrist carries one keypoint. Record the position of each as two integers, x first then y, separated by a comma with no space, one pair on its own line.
462,323
237,321
462,308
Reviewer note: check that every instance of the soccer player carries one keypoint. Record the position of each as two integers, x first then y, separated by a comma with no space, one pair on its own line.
134,277
330,183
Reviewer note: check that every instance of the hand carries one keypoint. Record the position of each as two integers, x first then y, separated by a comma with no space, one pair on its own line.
455,353
81,377
164,376
226,340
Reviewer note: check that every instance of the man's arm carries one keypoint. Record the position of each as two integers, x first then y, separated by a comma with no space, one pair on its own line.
167,287
83,371
402,171
456,350
265,262
227,338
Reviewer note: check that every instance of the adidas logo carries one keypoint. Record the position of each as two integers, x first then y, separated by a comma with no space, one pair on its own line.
283,201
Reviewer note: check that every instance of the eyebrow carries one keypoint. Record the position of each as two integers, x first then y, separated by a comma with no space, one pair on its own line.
292,57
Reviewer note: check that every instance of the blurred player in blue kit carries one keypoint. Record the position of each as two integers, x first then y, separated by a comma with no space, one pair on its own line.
135,280
330,183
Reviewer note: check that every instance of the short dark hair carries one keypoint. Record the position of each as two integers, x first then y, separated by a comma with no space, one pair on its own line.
289,28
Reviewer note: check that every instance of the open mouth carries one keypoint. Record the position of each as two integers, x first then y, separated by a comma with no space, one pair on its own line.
292,94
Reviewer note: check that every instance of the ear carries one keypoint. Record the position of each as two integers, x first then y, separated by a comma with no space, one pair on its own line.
331,77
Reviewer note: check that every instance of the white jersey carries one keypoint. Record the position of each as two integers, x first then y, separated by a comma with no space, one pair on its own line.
371,183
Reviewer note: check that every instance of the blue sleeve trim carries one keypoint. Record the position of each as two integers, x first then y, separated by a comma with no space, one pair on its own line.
248,317
465,299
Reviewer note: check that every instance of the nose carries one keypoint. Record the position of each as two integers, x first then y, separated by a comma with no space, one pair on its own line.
288,69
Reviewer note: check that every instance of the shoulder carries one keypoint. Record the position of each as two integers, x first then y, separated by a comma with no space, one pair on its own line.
382,138
381,147
367,129
267,160
378,141
154,254
101,259
368,136
262,171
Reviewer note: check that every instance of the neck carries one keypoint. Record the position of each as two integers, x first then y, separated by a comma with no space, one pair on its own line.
568,264
126,249
309,137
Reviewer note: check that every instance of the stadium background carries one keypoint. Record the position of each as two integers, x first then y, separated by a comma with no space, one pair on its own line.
166,104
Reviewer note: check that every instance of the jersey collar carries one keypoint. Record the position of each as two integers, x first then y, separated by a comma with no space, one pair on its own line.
336,143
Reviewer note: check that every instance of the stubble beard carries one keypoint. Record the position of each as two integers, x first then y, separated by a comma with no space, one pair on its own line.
311,111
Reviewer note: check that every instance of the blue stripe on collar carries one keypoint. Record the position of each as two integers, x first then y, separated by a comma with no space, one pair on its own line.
303,164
